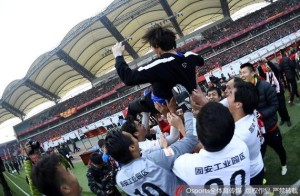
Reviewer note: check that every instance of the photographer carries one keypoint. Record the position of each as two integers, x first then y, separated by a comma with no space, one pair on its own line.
33,155
101,178
32,150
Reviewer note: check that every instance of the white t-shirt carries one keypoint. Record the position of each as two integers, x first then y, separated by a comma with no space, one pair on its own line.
231,164
157,130
247,130
148,145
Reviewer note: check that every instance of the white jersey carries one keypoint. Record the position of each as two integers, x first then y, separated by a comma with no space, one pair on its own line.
231,165
157,130
149,145
152,174
247,130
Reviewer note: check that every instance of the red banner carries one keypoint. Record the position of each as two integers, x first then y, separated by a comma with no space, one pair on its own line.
55,138
68,112
95,132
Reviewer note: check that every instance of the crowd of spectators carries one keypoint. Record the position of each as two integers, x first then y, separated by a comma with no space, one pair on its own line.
75,101
249,46
214,34
88,118
9,148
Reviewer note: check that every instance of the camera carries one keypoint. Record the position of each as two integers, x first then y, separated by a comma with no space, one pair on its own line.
34,145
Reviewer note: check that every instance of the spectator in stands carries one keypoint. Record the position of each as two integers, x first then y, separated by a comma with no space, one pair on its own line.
150,174
52,178
288,68
267,108
169,69
101,177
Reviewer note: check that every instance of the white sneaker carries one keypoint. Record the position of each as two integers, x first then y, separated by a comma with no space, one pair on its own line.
283,170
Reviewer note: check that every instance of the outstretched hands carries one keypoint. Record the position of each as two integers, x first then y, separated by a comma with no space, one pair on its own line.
118,49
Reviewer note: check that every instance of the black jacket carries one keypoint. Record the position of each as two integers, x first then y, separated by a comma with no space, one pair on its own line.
287,67
268,104
163,73
101,182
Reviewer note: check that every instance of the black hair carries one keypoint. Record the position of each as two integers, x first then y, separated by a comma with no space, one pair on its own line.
160,37
117,145
247,94
130,127
213,88
215,126
101,143
96,158
249,66
45,176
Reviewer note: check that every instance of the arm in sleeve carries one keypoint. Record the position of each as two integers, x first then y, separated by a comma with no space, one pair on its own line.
129,76
272,102
291,64
166,157
261,72
276,83
274,68
173,137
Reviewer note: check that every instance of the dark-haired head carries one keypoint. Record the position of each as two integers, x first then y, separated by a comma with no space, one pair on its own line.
160,37
215,126
214,94
101,143
247,72
249,66
135,128
117,145
247,94
52,179
96,158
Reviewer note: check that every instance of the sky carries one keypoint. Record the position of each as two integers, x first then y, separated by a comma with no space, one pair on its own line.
30,28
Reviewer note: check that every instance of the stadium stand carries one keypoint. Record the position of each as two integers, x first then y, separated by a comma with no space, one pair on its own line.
217,56
274,22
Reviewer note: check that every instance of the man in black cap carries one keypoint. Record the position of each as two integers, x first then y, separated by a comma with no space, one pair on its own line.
101,177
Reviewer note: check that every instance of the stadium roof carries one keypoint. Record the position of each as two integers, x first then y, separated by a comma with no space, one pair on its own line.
84,53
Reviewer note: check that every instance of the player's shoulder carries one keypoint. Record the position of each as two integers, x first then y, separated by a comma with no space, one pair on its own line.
187,158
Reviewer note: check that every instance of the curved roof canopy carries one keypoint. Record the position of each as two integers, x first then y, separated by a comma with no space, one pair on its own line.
84,53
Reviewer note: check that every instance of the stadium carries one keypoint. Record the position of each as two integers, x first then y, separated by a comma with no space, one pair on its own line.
85,57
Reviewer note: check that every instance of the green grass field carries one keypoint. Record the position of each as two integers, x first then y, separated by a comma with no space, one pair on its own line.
272,163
